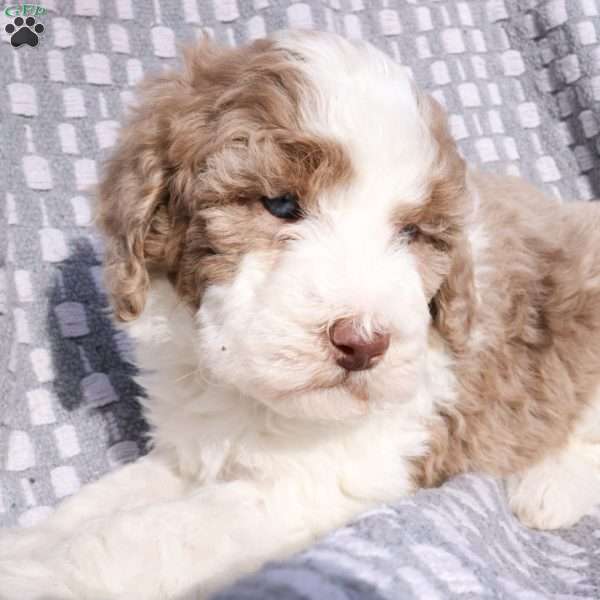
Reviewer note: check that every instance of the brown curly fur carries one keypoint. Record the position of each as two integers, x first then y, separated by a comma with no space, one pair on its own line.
180,195
528,362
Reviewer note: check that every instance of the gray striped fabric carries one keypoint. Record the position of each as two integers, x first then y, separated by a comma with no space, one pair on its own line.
521,82
457,542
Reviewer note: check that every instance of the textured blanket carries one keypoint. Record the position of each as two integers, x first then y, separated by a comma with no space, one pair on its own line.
521,81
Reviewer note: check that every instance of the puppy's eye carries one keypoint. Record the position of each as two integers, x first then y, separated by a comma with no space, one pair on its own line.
410,232
284,207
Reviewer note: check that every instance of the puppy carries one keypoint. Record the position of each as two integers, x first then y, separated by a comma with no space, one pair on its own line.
330,311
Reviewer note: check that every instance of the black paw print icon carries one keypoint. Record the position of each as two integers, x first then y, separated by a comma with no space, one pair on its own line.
24,31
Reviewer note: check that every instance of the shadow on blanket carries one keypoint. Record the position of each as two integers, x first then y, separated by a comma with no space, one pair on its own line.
90,356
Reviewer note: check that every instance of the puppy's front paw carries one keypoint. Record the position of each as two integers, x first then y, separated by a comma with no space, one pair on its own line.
545,509
28,579
23,572
20,542
556,492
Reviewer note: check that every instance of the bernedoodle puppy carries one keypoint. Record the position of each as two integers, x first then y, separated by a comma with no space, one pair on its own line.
330,311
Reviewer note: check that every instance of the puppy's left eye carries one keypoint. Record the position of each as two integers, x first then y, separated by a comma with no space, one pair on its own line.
284,207
410,232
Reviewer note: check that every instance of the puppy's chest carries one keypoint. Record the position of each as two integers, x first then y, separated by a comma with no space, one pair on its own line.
368,462
362,465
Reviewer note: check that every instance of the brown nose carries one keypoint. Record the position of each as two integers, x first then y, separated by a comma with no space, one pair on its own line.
357,352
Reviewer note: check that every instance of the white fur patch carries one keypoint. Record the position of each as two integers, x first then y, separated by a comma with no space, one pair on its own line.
369,104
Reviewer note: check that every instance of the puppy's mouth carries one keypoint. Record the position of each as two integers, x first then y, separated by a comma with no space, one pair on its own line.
351,382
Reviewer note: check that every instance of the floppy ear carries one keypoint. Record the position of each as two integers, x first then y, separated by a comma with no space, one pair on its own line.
133,197
141,207
453,305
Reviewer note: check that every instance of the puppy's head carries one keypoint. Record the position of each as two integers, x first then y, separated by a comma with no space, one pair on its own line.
307,205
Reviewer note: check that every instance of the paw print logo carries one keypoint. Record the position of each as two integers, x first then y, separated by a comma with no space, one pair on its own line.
24,31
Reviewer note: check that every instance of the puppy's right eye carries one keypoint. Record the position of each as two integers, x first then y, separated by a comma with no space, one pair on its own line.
410,232
284,207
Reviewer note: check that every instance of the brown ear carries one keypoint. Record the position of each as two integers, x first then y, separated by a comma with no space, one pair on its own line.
131,194
141,209
453,305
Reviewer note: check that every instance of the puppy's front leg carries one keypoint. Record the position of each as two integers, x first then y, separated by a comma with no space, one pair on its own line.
146,481
174,549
